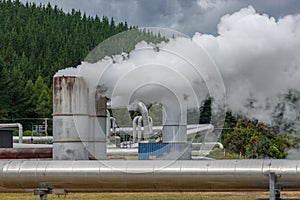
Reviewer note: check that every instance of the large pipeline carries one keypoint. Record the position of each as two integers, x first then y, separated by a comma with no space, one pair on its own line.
180,175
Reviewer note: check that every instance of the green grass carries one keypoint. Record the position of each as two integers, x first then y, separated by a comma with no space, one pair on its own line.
219,154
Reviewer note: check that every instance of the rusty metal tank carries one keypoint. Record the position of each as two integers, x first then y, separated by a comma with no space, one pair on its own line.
77,120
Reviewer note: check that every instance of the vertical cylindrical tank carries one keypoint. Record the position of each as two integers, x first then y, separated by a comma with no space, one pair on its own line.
174,122
174,130
70,118
97,123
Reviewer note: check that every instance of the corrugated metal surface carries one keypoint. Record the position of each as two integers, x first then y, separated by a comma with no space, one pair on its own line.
164,151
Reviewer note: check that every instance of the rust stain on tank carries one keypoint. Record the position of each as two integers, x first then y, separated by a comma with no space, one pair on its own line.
62,94
100,101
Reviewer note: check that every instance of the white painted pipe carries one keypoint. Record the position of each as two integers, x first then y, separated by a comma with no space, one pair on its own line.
200,127
140,129
141,107
197,145
15,125
150,124
110,125
120,151
208,128
17,146
146,134
134,132
145,116
151,175
34,139
113,123
192,131
108,122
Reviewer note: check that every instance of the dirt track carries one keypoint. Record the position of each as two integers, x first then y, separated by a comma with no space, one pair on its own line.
152,196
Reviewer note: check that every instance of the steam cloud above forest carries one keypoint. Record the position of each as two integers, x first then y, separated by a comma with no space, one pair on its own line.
258,58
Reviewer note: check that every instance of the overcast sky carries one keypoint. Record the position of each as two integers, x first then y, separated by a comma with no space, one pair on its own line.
187,16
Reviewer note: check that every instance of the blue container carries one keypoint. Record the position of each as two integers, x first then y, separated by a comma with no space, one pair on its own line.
164,151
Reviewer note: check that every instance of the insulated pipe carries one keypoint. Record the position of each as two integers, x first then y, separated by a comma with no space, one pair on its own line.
123,152
15,125
191,132
34,139
25,153
108,123
153,175
192,129
134,132
208,128
145,116
133,151
141,107
29,151
113,123
150,124
35,146
198,145
140,133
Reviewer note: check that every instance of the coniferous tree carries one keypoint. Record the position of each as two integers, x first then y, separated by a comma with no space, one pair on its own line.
38,40
43,106
205,112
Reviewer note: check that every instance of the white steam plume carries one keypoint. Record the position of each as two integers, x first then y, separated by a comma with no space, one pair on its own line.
173,65
259,59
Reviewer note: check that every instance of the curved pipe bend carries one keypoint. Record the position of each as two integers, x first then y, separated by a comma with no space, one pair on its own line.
15,125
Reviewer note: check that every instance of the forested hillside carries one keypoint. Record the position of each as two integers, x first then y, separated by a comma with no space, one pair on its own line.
36,41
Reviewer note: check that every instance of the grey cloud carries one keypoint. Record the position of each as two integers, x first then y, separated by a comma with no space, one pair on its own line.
187,16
